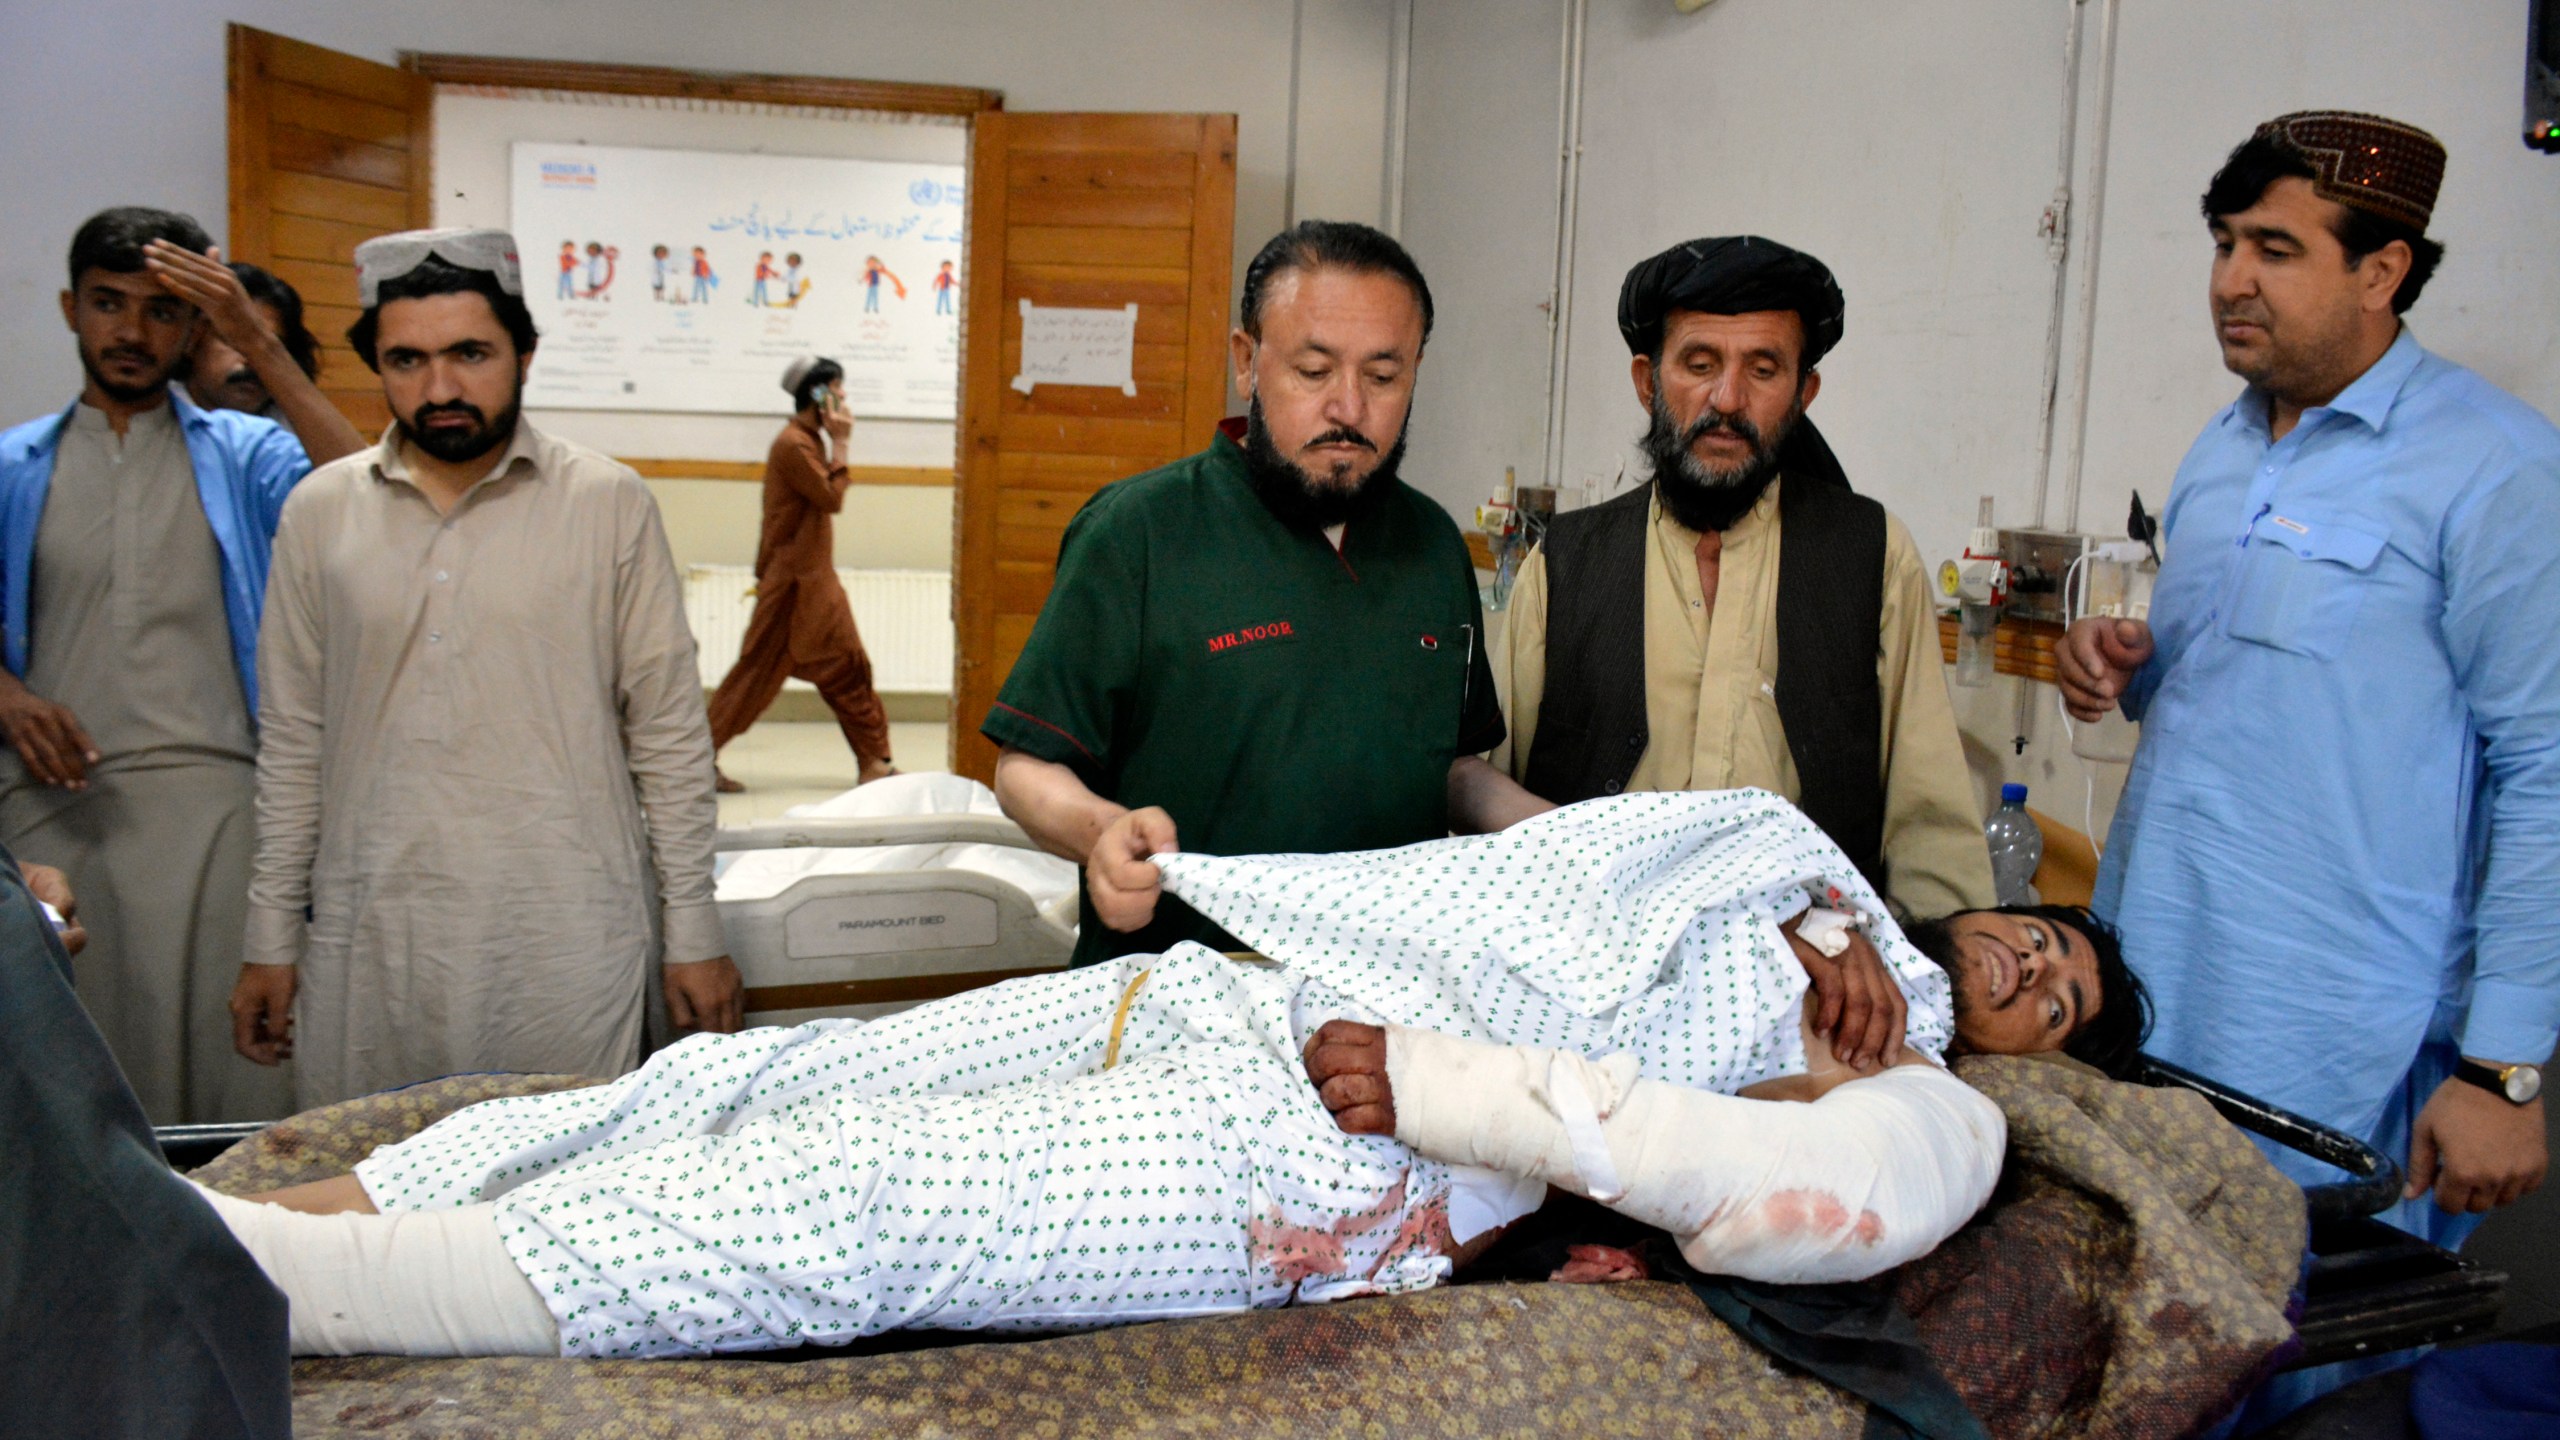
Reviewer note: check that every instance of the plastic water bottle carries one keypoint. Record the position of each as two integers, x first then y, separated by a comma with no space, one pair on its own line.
2017,847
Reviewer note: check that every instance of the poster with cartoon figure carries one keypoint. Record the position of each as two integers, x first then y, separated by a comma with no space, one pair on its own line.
776,226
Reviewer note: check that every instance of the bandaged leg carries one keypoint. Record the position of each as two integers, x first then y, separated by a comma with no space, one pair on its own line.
436,1283
1873,1174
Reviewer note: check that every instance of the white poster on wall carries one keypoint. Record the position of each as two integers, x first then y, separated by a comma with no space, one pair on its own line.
687,280
1065,346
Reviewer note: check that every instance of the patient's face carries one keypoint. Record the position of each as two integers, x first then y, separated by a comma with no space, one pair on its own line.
2023,984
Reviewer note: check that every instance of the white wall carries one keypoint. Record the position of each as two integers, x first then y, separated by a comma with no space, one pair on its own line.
716,521
121,101
1480,218
1914,148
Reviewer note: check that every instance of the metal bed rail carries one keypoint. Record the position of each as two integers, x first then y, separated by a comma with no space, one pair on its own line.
2368,1288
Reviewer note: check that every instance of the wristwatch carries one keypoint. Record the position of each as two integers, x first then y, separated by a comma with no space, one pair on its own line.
2517,1084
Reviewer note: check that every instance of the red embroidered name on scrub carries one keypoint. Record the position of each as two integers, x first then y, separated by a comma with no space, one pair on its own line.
1251,635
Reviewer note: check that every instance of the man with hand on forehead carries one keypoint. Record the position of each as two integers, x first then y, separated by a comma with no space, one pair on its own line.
1273,645
2336,854
134,537
1744,618
486,777
255,355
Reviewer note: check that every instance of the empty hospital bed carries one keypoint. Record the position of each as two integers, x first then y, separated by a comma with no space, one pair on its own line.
901,891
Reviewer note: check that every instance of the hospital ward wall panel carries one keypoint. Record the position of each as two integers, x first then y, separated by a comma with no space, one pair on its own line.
1867,136
109,120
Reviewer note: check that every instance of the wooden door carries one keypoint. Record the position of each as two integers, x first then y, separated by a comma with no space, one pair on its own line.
327,150
1095,211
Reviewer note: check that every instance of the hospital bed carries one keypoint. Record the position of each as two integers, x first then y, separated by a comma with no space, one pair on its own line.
2133,1273
834,912
898,892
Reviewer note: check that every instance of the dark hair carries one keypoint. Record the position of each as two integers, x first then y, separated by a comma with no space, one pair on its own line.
2262,160
1336,244
820,376
286,301
2113,1041
112,240
436,275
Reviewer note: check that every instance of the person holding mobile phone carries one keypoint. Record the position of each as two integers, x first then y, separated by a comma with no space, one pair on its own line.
802,624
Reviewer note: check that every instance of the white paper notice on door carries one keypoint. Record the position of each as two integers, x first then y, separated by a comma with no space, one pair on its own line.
1065,346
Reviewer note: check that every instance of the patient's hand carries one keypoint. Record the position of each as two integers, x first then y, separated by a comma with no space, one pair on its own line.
1855,1002
1348,1063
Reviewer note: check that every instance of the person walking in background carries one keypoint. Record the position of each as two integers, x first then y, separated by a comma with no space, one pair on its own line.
803,625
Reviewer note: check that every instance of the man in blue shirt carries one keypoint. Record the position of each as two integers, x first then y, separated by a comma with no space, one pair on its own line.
134,534
2338,848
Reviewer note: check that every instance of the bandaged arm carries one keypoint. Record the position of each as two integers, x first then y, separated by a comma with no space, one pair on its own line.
1873,1174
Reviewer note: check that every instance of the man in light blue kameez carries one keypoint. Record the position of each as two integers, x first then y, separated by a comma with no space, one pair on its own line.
2338,852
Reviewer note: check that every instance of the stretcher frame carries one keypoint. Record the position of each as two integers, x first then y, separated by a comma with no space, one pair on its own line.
2368,1288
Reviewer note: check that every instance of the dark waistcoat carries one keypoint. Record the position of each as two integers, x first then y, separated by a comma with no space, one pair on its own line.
1591,725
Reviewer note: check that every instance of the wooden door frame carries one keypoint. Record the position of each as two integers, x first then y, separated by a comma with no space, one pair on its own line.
587,77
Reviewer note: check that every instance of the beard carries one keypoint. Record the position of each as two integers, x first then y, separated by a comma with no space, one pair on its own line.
459,446
1934,939
1702,496
1301,499
95,364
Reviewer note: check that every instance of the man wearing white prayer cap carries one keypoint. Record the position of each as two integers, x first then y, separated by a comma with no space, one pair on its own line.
803,625
484,799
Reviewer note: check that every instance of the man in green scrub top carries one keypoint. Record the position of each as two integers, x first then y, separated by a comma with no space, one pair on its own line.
1272,645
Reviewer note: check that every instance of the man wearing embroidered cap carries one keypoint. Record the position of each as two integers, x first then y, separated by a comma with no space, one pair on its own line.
2337,848
484,797
1745,619
802,624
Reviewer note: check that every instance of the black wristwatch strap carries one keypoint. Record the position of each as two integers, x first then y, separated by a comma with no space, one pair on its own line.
2487,1078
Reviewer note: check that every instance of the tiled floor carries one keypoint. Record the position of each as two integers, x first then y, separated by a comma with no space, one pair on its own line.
785,763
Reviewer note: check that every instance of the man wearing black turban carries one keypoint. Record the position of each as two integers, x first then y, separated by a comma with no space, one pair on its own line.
1745,618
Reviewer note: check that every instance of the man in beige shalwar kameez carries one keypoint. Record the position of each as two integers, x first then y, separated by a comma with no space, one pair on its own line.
486,768
133,551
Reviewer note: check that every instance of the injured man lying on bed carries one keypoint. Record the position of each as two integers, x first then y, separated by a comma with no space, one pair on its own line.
1588,1000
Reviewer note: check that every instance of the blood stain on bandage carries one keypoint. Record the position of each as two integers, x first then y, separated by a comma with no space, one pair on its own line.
1870,1229
1801,1212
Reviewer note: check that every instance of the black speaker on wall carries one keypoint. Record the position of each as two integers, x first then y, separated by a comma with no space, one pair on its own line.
2542,78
